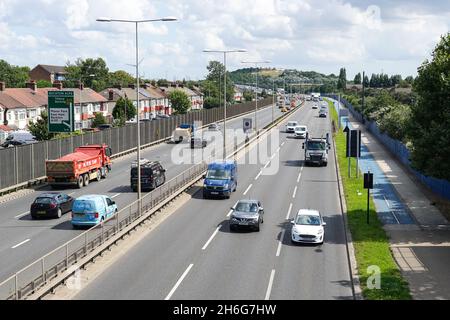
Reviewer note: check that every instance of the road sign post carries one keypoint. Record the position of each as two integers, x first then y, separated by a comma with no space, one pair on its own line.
368,184
61,114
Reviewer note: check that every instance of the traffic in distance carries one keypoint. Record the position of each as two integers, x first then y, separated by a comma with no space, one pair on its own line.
93,163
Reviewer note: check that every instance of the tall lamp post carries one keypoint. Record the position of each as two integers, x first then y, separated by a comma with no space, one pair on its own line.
256,63
224,91
137,22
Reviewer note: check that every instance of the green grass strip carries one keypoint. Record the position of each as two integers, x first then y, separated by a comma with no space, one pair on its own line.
369,240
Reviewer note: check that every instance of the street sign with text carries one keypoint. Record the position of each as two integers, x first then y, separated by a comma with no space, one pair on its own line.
61,115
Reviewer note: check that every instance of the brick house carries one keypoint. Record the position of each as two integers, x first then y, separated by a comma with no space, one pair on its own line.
48,73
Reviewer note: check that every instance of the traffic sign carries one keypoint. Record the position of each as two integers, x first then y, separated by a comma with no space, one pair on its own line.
248,124
61,113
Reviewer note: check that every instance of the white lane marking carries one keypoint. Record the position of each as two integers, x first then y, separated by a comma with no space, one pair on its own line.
283,143
273,156
71,194
289,212
115,196
269,287
385,200
19,244
231,211
248,189
295,192
211,238
179,282
22,215
259,175
278,150
267,164
299,177
280,243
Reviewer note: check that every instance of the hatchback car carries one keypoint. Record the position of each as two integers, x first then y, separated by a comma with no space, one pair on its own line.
51,204
90,210
247,213
308,227
214,127
301,132
198,143
290,126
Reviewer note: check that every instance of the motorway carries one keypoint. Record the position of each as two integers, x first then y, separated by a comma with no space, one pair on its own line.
23,240
193,254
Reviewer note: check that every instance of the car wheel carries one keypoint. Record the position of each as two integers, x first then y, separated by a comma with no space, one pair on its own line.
205,195
99,175
80,182
33,217
257,228
232,227
59,213
105,172
86,179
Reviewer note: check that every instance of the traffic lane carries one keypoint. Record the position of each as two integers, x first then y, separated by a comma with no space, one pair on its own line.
246,259
197,221
175,243
118,180
41,241
326,266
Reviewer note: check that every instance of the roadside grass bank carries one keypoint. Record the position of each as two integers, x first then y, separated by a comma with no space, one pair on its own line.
370,241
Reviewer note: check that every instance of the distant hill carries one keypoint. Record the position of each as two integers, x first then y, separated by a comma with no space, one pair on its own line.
266,77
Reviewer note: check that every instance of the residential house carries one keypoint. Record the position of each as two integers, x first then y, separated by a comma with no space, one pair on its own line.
195,96
238,94
48,73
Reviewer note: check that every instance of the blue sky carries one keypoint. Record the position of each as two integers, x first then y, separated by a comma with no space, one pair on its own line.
320,35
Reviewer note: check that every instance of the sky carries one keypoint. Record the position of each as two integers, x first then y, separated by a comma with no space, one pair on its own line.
393,37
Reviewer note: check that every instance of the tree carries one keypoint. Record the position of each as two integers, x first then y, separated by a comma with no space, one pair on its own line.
211,102
395,122
99,119
248,96
430,117
215,77
180,101
366,81
396,80
40,128
120,77
93,73
342,81
13,76
410,80
162,83
44,84
357,79
124,109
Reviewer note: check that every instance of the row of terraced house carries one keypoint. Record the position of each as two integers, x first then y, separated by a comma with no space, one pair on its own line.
20,106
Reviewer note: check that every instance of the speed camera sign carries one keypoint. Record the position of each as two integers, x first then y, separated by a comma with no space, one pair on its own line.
248,124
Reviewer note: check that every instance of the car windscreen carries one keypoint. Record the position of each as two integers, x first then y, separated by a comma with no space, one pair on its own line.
316,145
144,172
292,124
306,220
246,207
218,174
83,206
44,200
300,129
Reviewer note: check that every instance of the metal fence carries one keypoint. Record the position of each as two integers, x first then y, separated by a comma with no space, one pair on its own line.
27,163
397,148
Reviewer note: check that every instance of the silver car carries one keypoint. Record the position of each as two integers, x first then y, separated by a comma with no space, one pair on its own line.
247,213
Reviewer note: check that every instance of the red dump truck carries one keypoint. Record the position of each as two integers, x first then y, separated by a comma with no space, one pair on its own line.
90,162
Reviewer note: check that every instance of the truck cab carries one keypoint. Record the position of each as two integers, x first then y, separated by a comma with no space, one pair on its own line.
316,151
220,179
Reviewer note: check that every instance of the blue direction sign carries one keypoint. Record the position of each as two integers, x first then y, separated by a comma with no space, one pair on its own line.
61,114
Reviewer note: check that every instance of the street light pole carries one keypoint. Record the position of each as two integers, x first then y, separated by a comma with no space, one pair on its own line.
138,107
224,92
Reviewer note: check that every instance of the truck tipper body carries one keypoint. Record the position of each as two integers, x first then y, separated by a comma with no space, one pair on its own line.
80,167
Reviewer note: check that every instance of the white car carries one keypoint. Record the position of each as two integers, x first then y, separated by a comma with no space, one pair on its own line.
301,132
290,126
308,227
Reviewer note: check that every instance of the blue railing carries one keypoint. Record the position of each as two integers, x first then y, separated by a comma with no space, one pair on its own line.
438,186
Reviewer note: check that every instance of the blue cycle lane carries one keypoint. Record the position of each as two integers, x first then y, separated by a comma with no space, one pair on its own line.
389,207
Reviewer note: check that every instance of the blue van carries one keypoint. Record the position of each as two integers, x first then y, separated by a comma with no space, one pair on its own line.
220,179
90,210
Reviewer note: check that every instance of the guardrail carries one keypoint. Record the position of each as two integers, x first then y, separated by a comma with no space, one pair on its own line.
55,267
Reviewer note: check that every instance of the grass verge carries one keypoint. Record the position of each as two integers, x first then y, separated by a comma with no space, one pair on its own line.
369,240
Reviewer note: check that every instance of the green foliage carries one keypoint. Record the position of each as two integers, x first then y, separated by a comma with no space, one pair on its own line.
248,95
120,77
342,82
430,117
13,76
180,101
40,128
162,83
370,240
211,102
357,79
93,73
44,84
214,84
124,109
99,119
395,122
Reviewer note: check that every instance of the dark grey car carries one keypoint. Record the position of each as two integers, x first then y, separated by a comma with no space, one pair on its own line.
247,213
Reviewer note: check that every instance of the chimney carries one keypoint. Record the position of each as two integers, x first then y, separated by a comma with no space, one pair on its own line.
80,85
5,118
111,95
2,86
118,86
58,85
132,86
32,85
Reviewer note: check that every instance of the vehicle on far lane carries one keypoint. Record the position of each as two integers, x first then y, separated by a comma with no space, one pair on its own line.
52,204
247,213
90,210
290,126
153,175
198,142
214,127
308,227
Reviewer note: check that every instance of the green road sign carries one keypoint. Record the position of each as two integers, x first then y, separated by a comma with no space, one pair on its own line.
61,114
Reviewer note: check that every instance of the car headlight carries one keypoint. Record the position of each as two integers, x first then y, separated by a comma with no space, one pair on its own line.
320,232
295,232
226,186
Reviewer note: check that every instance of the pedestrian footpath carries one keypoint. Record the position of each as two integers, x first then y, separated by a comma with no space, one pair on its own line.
419,233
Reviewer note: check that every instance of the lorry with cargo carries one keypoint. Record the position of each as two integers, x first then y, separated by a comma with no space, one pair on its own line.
86,163
316,150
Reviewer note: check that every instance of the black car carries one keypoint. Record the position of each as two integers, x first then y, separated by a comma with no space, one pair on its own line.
51,205
153,175
104,126
198,143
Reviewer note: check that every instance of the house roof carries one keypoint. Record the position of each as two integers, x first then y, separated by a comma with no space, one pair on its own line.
9,102
5,128
52,69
